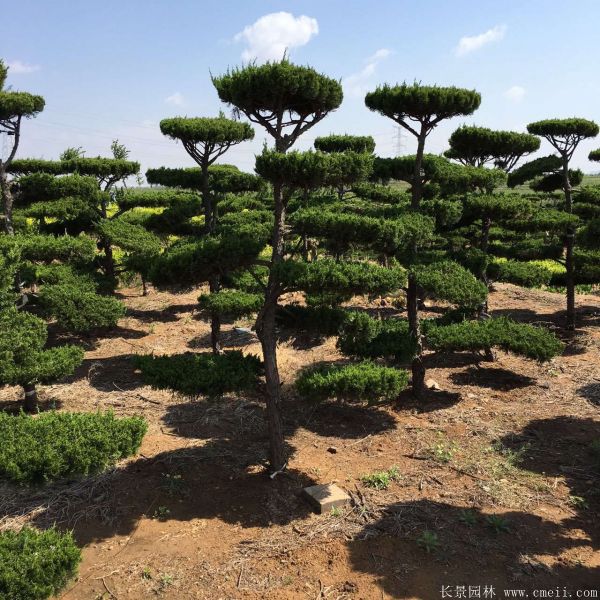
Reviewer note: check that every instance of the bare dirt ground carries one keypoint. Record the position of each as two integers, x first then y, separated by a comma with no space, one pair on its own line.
497,465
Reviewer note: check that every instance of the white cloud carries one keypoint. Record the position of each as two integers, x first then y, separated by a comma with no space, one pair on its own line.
469,44
17,67
515,93
356,84
272,35
175,99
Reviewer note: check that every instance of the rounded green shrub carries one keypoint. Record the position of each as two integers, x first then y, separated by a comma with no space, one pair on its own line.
199,374
362,382
53,445
231,303
35,565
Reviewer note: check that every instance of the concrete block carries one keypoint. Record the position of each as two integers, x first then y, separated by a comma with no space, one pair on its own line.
325,497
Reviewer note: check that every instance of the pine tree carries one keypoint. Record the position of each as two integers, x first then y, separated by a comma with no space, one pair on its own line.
419,109
286,100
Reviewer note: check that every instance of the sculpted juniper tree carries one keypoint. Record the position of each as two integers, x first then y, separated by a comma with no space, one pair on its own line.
478,146
205,140
419,109
286,100
358,144
565,135
14,107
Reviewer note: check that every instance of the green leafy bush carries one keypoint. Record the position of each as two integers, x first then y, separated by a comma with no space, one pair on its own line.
523,339
366,337
231,303
449,281
199,374
364,382
77,308
520,273
57,444
35,565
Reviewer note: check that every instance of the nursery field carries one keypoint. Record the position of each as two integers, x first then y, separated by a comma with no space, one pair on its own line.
492,479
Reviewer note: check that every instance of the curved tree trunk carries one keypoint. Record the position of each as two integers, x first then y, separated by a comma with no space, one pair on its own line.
265,329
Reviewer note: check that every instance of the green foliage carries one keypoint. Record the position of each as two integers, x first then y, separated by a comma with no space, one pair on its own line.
594,155
460,179
231,303
190,262
420,102
564,128
429,541
345,143
402,168
202,374
276,87
128,199
520,273
54,445
526,340
294,170
366,337
210,131
35,565
478,145
381,193
497,206
554,181
380,480
447,280
590,235
23,359
44,186
47,248
364,382
548,219
221,178
346,278
19,104
77,308
534,168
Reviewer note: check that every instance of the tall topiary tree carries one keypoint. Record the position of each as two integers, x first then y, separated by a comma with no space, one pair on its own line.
205,140
419,109
565,135
286,100
478,146
14,107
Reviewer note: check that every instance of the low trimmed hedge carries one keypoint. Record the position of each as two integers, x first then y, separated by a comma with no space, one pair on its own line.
231,303
53,445
35,565
520,338
525,274
362,382
204,373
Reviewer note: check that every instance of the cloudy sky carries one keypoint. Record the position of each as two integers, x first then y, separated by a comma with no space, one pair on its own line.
114,69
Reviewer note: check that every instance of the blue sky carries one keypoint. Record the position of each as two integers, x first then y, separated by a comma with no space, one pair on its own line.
114,69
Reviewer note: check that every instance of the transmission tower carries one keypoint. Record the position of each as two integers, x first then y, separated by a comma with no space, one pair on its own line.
399,141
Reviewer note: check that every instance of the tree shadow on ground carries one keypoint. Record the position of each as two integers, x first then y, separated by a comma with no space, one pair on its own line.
492,377
473,553
591,392
567,447
114,373
432,401
219,477
238,337
452,360
586,316
45,403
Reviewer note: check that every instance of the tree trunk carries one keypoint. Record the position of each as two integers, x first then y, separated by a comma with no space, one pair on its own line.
144,286
417,182
414,328
215,319
30,400
570,247
265,329
8,201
